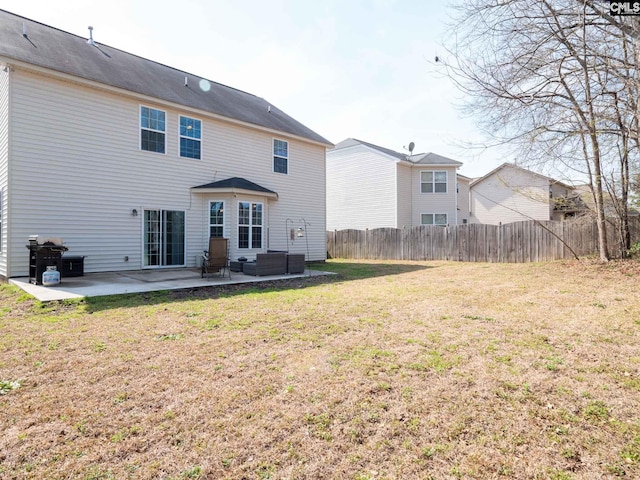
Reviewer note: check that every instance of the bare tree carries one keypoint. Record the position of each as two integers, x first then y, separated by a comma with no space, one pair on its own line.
624,55
554,80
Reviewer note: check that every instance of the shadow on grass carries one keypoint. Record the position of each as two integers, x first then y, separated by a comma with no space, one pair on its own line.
343,272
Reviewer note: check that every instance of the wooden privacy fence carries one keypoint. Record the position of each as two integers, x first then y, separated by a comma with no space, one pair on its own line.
519,242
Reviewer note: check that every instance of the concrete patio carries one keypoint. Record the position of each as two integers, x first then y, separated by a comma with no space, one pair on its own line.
116,283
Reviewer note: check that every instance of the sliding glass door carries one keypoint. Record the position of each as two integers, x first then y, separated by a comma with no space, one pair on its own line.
164,232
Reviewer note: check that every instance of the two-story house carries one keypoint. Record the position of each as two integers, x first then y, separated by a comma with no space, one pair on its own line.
511,193
135,164
369,186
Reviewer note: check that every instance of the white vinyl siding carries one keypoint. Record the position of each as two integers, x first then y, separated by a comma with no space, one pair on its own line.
509,195
445,203
463,201
4,167
361,189
404,196
87,142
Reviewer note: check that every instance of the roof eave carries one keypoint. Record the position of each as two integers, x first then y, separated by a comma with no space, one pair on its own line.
439,165
235,191
508,164
30,67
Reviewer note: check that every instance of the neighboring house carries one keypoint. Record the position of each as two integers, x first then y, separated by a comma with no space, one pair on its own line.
372,187
135,164
612,204
463,198
510,194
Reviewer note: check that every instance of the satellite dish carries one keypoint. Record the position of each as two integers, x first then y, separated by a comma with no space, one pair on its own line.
411,147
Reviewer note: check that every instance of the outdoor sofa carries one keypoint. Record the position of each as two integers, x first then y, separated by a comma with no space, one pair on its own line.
275,263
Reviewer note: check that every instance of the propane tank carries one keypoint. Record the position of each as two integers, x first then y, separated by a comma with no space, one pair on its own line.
51,276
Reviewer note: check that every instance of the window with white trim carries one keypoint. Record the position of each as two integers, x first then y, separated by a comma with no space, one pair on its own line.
433,181
250,225
190,137
152,130
216,219
280,156
433,219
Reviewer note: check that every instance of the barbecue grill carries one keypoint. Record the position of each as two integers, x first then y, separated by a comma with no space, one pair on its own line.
44,252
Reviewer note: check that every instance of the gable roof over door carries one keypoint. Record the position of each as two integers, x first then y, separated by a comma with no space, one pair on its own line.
235,185
50,48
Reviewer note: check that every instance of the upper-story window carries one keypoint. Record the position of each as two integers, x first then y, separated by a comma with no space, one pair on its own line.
190,137
280,156
433,181
152,130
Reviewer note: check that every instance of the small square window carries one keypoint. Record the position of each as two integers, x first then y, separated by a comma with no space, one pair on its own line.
426,219
440,218
433,182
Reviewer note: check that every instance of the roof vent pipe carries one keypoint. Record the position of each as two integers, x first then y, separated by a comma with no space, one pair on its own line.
90,41
24,30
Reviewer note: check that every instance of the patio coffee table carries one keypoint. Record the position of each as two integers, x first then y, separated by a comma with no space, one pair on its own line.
236,266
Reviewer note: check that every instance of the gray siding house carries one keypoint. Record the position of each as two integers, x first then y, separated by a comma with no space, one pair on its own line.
369,186
135,164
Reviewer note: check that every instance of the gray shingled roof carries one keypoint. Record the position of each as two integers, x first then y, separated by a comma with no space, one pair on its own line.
64,52
433,159
513,165
237,182
350,142
420,158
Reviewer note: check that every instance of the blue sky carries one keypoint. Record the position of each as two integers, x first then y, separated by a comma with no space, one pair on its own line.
354,68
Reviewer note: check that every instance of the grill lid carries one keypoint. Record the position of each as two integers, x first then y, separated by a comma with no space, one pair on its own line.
42,240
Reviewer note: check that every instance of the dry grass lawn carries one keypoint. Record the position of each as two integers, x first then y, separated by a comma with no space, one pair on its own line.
390,370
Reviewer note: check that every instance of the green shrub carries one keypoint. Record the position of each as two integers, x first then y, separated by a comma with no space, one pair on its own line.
634,251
